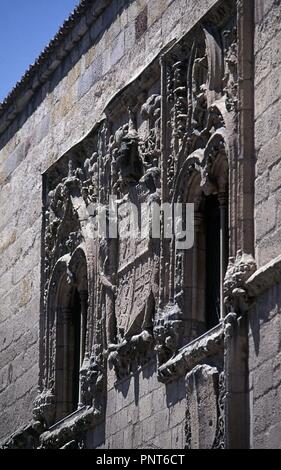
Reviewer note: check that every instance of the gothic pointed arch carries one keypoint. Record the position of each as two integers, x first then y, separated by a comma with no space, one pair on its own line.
67,375
199,139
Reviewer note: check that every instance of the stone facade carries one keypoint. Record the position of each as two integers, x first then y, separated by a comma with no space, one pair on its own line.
118,343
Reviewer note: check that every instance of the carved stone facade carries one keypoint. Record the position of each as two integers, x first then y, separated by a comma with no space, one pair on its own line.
142,342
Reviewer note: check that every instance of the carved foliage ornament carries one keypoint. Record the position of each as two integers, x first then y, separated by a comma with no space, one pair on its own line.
201,110
118,163
123,157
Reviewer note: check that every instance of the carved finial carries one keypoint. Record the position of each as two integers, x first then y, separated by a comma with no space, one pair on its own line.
132,124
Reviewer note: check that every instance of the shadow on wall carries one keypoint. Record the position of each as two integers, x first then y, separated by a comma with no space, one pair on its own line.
92,37
174,391
147,373
263,312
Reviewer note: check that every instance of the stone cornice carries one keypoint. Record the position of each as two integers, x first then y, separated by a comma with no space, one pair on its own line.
68,429
73,29
33,435
210,344
25,437
264,278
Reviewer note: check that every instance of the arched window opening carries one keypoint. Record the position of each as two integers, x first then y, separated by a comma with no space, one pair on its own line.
212,261
71,333
205,265
75,348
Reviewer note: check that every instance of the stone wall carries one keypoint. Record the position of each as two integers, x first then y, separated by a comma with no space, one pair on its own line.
122,41
264,364
267,130
143,413
264,319
111,52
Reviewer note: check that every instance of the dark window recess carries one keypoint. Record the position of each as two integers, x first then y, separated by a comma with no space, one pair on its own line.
141,23
71,339
75,351
212,228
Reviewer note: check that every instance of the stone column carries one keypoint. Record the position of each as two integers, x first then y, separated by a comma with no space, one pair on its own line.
165,245
237,414
198,218
246,160
223,252
83,330
66,385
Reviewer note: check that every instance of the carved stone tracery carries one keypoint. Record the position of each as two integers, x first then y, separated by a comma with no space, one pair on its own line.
134,293
200,100
137,157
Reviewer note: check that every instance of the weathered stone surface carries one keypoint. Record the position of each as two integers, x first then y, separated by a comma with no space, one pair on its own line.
264,357
202,397
146,325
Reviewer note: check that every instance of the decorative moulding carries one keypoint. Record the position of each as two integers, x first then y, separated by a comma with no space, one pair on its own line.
265,278
191,355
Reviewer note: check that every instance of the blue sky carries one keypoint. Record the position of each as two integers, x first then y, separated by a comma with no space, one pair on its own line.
26,27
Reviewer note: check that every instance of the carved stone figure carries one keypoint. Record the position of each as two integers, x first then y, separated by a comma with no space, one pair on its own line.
235,288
